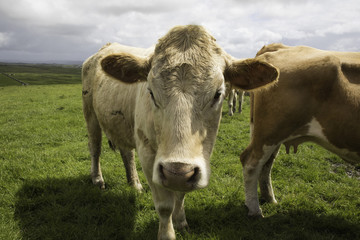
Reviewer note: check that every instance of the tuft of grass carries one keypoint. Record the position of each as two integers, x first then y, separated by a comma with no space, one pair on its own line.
46,191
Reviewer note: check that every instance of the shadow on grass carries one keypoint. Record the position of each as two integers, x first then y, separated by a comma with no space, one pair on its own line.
230,221
73,209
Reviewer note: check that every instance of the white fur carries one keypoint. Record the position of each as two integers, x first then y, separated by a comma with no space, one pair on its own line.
173,116
316,130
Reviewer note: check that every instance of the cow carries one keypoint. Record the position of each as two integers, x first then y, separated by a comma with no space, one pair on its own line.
317,99
166,103
234,95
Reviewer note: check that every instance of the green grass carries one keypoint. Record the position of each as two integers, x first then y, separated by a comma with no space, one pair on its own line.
39,74
46,191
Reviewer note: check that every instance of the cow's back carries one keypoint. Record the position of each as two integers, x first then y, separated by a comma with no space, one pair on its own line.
109,101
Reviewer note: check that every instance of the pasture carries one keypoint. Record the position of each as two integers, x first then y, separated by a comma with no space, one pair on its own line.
39,74
46,191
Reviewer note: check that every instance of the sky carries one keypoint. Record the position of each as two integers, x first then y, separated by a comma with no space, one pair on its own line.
72,30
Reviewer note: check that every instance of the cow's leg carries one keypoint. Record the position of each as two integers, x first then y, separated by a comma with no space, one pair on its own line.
130,167
94,133
231,102
253,160
241,99
266,190
234,100
179,217
164,201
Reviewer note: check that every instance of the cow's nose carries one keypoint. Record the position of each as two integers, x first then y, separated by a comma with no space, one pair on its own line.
179,176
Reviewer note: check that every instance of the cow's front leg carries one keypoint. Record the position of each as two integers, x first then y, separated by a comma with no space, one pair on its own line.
251,173
253,162
179,217
95,137
164,201
232,102
266,189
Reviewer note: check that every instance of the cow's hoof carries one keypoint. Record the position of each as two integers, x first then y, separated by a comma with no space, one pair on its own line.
138,187
273,201
182,227
255,214
99,181
268,200
167,236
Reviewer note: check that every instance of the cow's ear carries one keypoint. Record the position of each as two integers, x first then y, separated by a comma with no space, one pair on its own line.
250,74
126,67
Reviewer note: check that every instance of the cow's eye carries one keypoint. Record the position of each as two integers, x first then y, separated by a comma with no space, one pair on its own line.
152,97
217,95
217,98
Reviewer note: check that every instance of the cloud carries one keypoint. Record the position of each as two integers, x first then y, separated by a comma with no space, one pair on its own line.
340,28
346,44
73,30
4,39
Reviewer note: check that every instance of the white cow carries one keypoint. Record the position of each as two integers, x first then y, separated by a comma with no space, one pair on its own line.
165,103
235,95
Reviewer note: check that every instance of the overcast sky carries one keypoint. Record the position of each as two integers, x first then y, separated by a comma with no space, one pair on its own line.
58,30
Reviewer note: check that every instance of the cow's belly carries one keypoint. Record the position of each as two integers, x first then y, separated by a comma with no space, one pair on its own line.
118,131
315,133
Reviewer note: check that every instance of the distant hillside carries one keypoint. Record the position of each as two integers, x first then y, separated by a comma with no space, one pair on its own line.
39,74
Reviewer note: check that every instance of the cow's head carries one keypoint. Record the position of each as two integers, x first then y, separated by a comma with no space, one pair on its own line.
186,77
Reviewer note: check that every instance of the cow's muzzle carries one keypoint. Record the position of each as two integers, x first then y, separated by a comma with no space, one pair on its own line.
179,176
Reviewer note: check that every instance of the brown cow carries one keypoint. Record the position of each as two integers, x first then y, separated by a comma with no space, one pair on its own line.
317,98
165,103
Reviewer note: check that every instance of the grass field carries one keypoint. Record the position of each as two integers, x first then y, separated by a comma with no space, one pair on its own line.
39,74
46,191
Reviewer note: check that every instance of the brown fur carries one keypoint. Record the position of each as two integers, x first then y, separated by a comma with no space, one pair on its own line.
314,79
126,67
315,86
244,77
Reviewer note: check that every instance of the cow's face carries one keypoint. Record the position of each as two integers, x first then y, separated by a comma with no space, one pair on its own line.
186,85
186,103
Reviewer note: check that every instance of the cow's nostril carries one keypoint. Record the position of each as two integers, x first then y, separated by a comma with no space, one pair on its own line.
194,177
179,176
177,171
161,171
